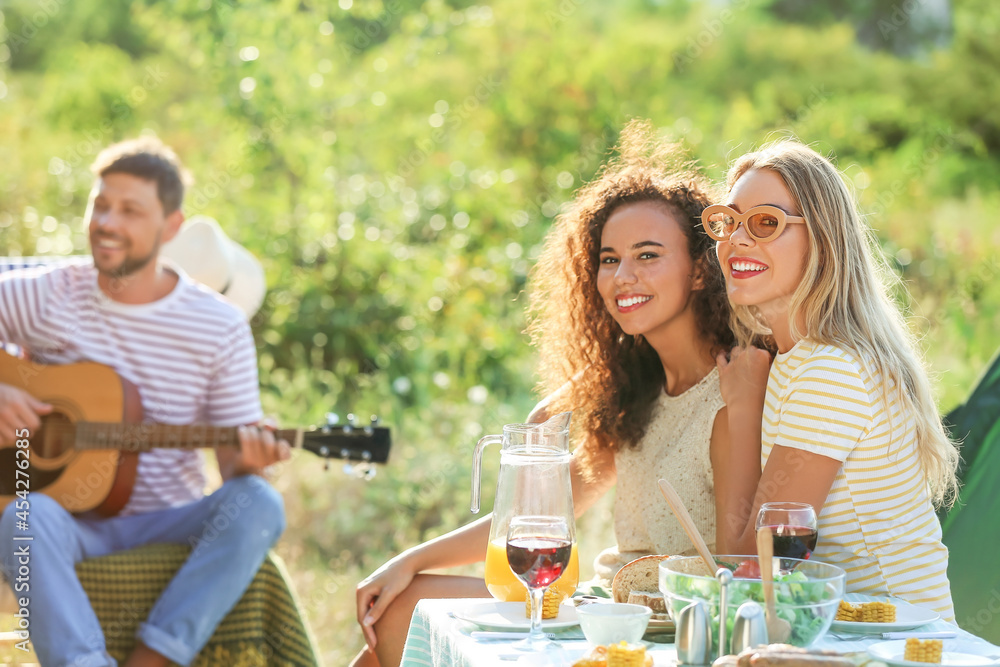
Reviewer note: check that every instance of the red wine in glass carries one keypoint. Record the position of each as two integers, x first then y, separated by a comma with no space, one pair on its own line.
793,528
538,561
538,551
793,541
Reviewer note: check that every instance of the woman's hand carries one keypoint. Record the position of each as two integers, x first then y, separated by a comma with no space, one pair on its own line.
378,589
743,378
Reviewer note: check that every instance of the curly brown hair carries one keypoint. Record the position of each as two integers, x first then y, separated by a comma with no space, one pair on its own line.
616,377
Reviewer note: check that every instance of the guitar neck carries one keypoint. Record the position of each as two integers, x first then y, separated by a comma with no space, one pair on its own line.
146,436
348,442
101,398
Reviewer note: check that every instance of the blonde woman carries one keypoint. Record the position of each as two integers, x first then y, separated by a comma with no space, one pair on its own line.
849,424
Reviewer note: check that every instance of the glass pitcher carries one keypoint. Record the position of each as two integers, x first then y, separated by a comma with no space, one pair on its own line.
534,479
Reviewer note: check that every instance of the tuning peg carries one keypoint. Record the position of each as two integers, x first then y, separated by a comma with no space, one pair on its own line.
363,470
371,427
332,419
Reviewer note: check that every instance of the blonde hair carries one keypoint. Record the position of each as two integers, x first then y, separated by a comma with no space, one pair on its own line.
843,298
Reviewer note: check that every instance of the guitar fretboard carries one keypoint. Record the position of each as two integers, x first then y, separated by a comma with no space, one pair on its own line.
146,436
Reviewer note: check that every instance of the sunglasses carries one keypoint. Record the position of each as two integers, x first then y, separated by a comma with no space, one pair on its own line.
762,223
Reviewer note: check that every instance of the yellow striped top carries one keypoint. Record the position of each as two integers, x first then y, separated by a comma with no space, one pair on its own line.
878,522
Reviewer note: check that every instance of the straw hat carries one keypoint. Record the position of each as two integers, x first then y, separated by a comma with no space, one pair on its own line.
206,254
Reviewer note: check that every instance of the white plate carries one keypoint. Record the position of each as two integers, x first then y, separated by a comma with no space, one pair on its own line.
908,616
510,616
956,653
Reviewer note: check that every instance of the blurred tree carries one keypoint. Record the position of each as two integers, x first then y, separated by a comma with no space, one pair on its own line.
905,27
396,165
34,27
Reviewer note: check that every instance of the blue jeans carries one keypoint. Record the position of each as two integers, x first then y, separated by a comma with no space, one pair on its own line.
230,533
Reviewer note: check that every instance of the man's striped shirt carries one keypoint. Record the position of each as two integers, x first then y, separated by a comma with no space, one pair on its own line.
191,355
878,522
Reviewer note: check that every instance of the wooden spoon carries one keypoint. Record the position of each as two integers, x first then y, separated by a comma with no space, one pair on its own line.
680,511
778,629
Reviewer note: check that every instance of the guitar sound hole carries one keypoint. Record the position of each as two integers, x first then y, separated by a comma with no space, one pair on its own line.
55,436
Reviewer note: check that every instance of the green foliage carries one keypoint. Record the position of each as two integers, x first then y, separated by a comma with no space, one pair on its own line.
396,165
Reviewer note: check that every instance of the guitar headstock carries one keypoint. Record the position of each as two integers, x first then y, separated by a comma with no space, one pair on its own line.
368,444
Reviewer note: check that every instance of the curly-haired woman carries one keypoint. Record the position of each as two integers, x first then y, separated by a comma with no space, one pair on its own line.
629,311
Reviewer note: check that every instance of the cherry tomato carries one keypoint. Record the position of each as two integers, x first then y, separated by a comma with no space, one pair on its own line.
748,569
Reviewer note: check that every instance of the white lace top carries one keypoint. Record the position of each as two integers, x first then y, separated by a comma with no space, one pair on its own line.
676,448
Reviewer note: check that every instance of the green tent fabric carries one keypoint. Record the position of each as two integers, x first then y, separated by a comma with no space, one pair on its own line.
972,527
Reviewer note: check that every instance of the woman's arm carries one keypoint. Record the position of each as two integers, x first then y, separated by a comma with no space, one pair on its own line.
724,480
461,546
735,452
791,475
376,592
735,447
798,469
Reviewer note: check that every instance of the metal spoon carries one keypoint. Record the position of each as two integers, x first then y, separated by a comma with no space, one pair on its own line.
778,629
687,523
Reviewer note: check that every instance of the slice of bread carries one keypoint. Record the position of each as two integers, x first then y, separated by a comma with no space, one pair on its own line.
641,575
654,601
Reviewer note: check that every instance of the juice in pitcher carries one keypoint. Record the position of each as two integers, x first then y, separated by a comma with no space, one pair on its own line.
506,587
533,481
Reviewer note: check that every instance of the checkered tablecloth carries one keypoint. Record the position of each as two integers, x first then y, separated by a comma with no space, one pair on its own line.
437,638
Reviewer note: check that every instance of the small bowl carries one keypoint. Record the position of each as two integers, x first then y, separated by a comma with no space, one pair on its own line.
613,622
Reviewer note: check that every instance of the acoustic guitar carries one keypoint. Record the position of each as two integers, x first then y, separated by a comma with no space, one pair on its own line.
86,453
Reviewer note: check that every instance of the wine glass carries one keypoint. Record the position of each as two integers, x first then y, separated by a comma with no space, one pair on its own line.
538,551
793,528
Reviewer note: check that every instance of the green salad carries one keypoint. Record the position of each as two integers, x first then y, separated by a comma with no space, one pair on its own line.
807,604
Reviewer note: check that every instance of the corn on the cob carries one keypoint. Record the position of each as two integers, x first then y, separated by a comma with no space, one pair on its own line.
878,612
923,650
848,612
598,657
550,606
623,655
866,612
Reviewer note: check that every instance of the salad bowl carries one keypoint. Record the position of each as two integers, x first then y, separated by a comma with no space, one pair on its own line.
807,592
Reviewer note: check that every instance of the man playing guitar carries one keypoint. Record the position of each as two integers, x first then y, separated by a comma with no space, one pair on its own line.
191,355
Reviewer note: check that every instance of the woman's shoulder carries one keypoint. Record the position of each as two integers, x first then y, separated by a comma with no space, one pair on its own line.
810,354
827,363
